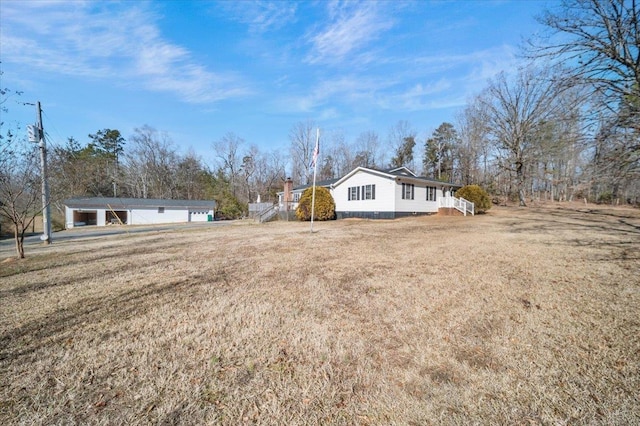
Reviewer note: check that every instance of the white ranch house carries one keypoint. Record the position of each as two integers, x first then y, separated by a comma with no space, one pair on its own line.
382,194
101,211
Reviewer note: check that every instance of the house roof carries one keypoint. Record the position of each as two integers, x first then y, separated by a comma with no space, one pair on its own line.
326,183
400,173
119,203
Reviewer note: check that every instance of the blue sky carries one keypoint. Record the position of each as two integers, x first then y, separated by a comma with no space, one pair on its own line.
198,70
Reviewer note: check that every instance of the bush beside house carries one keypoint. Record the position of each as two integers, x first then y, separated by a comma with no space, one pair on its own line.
477,196
324,207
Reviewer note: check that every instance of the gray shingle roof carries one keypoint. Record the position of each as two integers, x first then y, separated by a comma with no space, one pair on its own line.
127,203
324,183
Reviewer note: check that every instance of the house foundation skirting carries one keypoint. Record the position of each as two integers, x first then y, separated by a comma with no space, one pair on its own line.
379,215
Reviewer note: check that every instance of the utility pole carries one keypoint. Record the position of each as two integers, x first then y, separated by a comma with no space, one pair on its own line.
46,208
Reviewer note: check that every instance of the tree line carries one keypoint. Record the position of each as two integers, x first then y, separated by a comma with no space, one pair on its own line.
563,127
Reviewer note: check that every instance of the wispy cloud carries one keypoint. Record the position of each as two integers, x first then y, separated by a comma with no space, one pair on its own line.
100,41
261,16
334,90
419,96
468,73
352,27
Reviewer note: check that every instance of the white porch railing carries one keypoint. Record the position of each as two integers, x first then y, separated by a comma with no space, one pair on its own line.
460,204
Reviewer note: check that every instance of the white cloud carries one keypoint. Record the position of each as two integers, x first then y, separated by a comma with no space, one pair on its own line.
334,90
100,41
480,64
353,27
261,16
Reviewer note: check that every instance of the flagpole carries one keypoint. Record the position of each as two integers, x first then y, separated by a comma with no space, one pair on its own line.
315,167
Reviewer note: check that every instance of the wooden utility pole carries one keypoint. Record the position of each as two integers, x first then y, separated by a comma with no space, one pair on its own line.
46,207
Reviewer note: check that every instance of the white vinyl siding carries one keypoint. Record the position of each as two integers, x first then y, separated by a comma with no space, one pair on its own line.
386,192
382,194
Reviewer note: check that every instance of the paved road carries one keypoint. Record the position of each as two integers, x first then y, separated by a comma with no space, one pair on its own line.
8,246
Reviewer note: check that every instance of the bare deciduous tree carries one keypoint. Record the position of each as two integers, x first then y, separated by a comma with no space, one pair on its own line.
188,173
20,186
151,165
598,39
474,149
599,42
302,137
516,109
367,147
228,155
248,171
402,141
270,174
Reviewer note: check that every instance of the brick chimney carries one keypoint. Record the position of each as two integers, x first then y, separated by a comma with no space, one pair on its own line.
287,197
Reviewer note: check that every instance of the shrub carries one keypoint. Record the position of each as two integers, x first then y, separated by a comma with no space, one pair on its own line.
477,196
229,207
324,207
605,198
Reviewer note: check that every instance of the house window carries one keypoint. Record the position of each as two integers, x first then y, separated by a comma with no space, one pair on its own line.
407,191
353,193
296,197
160,209
364,192
369,192
431,193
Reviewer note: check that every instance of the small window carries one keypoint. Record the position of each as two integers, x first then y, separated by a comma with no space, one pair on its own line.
353,193
431,193
407,191
160,209
369,192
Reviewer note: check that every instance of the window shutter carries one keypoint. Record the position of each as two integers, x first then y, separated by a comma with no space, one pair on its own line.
403,191
373,192
412,188
349,194
358,193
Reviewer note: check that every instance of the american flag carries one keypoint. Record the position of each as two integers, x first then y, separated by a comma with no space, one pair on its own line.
316,151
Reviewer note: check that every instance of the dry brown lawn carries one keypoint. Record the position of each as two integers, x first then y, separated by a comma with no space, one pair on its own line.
520,316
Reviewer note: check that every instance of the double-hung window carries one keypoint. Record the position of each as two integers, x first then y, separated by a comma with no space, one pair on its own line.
369,192
407,191
353,193
431,193
364,192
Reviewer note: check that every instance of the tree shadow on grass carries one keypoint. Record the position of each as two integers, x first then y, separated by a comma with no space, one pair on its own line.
50,330
617,232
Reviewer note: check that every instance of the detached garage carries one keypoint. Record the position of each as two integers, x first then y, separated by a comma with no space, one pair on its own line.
101,211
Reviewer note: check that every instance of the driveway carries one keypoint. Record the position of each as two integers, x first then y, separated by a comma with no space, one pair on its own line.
32,242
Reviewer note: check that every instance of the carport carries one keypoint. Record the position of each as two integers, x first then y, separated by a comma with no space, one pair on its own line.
83,217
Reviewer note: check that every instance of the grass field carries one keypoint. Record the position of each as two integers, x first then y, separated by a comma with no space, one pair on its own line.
520,316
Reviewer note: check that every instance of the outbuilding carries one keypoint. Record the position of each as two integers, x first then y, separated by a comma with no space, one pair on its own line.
101,211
